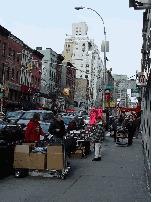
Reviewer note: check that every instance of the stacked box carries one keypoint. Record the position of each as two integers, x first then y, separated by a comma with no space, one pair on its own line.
78,154
55,157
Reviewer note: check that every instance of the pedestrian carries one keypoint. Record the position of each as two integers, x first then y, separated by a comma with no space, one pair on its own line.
98,138
73,124
131,130
33,130
110,125
116,124
57,127
121,119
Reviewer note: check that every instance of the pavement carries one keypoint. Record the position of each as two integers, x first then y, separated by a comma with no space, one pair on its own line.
119,177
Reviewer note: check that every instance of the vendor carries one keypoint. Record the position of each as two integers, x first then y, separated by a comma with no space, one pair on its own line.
73,124
33,130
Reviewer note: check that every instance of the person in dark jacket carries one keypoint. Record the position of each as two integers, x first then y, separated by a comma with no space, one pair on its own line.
73,124
121,119
57,127
98,138
33,130
115,124
131,130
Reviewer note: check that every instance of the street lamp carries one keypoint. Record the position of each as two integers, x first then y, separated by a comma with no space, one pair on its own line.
105,58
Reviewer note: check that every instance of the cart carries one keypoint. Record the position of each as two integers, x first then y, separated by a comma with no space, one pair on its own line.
122,135
59,173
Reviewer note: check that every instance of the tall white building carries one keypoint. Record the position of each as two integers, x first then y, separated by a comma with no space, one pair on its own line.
121,89
84,56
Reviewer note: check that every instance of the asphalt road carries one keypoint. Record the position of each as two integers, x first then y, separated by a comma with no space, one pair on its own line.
118,177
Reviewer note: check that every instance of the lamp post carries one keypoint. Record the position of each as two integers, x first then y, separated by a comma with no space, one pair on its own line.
104,72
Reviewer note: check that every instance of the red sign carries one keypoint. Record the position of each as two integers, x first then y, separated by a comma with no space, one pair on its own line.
107,95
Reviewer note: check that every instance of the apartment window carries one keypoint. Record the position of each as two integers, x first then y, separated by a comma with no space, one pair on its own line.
35,82
13,54
2,71
83,44
87,65
32,80
18,58
9,52
12,73
38,83
4,47
17,76
8,73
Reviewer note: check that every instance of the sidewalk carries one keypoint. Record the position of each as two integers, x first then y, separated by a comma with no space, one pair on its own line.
118,177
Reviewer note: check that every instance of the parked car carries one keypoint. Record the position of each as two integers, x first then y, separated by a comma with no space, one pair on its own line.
13,117
46,116
67,120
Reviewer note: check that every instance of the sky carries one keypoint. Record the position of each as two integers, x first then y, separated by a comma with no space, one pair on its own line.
46,23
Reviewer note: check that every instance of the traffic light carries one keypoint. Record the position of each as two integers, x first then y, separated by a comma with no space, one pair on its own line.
29,68
33,97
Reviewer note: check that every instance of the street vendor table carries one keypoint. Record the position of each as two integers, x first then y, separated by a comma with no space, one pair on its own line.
84,143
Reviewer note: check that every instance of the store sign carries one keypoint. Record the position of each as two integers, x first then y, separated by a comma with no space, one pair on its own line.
135,92
112,104
66,91
93,115
141,79
107,86
107,96
14,86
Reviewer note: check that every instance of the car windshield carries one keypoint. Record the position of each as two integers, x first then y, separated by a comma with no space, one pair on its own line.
14,114
45,127
9,114
29,115
67,120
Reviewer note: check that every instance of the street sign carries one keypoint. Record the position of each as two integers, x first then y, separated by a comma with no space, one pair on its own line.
107,86
135,92
141,79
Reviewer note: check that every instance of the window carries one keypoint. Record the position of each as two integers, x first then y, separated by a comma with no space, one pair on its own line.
2,71
35,82
17,58
13,54
8,73
87,65
4,46
12,73
38,83
9,52
17,76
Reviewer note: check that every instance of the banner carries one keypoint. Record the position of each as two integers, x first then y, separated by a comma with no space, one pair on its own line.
93,115
66,91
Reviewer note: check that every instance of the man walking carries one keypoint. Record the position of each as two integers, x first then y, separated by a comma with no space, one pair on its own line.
115,124
98,138
131,130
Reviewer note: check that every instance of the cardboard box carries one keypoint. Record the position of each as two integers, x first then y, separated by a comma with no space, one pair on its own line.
54,149
77,154
22,149
37,161
55,161
81,148
21,160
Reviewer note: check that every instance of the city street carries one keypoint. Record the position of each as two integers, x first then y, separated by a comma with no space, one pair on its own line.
119,176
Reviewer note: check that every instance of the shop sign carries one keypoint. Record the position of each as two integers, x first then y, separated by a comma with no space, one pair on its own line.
112,104
14,86
141,79
66,91
107,95
135,92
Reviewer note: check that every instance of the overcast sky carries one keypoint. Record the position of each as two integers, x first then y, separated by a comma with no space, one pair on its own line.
46,23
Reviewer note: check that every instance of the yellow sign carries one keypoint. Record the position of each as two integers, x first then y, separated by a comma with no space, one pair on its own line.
112,104
107,104
29,68
66,91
